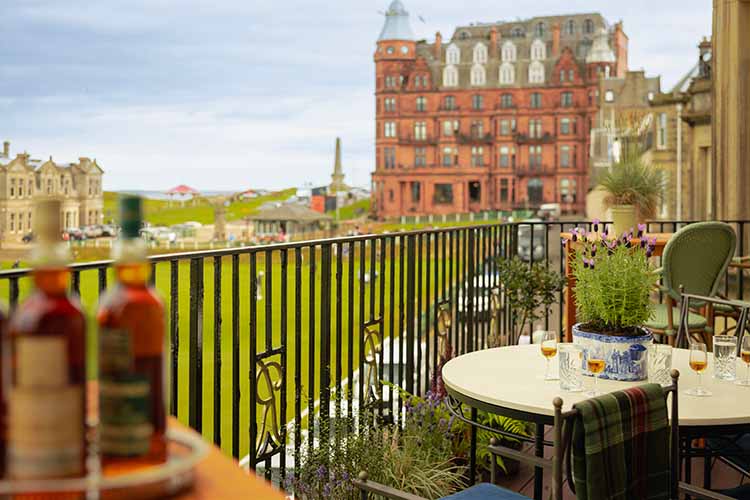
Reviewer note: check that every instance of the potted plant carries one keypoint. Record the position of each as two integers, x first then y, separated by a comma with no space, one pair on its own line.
614,282
633,190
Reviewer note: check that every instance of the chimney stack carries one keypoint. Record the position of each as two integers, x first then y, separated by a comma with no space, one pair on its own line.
6,149
438,46
556,40
493,42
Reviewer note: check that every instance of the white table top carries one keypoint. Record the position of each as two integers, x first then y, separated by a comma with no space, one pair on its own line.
511,377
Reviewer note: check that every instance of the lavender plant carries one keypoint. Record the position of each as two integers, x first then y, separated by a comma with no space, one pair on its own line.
614,280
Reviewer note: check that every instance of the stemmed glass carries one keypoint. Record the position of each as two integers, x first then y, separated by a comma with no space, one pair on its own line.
549,350
596,364
698,363
745,356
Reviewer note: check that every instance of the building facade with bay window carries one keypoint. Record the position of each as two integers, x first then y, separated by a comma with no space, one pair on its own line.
498,117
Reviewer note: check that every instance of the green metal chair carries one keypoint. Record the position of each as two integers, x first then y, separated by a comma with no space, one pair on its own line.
695,259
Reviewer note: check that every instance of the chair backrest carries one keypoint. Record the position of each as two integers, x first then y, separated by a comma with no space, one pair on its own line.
696,257
742,309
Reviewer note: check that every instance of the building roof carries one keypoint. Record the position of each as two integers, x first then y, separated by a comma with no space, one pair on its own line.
289,212
684,82
396,25
182,189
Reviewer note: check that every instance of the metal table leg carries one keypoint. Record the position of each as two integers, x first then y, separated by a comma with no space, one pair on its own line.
539,452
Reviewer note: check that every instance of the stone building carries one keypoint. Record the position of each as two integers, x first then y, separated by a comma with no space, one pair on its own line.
497,117
24,179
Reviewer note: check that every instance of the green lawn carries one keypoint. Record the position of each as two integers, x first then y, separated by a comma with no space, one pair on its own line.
90,298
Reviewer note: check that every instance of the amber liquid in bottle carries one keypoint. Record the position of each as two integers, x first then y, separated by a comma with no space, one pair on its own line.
46,396
4,366
131,384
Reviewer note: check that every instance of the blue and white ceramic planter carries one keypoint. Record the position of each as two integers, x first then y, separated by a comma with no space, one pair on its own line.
626,358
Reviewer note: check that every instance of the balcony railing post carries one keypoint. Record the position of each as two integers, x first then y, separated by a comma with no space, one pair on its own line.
410,316
470,272
195,346
325,339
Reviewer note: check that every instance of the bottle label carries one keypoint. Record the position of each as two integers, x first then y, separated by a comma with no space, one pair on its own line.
124,411
45,417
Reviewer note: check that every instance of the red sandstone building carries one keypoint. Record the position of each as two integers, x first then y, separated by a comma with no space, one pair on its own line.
496,118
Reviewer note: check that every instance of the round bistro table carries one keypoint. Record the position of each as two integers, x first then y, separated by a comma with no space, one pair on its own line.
509,381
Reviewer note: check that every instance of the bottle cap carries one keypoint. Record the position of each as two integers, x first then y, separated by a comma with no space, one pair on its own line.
47,227
131,216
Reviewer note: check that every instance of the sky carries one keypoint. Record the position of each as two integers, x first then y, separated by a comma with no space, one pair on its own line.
238,94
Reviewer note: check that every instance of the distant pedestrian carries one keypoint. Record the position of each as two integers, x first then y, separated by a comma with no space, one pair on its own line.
16,264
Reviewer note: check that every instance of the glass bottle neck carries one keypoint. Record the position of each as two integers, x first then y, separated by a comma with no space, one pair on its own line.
52,280
131,266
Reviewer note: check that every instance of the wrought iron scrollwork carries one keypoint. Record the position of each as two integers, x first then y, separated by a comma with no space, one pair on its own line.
268,385
443,328
496,337
373,359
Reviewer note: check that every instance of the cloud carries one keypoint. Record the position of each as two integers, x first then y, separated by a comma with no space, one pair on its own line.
232,94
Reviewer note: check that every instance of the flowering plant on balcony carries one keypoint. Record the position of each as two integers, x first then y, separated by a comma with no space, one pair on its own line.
614,280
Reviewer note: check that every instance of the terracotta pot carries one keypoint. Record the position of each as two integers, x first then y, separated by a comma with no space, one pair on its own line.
623,219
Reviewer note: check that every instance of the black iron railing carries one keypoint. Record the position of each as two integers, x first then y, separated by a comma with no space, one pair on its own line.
264,342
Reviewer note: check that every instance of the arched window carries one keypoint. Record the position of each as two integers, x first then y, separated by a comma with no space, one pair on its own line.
539,29
517,32
570,27
509,51
480,53
453,55
465,35
450,76
588,26
478,75
507,74
538,50
536,72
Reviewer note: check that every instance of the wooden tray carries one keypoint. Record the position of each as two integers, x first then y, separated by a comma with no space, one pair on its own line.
186,450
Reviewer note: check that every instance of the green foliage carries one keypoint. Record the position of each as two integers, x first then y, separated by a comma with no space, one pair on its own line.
501,423
614,283
632,181
528,290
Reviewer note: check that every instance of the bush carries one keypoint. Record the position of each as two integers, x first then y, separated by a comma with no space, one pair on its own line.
631,181
614,281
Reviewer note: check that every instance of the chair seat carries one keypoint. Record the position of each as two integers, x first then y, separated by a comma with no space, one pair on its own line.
660,321
739,446
486,491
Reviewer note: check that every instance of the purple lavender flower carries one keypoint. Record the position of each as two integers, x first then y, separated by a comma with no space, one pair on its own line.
643,243
585,263
641,229
596,225
321,472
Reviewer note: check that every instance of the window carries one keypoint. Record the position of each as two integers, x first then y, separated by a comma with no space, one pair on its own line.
588,26
390,82
650,96
12,224
389,158
450,102
443,194
506,100
504,190
507,157
562,75
450,156
20,188
389,129
535,129
465,35
517,32
389,104
539,29
565,126
477,129
535,157
421,103
420,157
538,50
12,188
390,195
31,188
571,75
450,76
536,100
536,72
570,27
507,74
20,222
609,96
564,156
507,127
480,53
450,127
420,131
478,75
416,192
452,55
508,52
477,102
420,81
661,131
477,156
28,219
566,99
568,190
49,186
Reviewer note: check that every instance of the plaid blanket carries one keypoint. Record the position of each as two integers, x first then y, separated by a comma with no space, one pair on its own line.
620,446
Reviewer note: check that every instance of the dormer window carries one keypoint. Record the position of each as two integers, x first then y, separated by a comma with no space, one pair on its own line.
507,74
450,76
517,32
588,26
480,53
538,50
509,51
453,55
539,29
464,35
536,72
570,27
478,75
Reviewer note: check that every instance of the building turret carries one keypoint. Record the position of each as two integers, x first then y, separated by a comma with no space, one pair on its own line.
396,40
601,59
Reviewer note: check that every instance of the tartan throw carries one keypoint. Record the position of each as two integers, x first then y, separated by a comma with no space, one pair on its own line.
620,446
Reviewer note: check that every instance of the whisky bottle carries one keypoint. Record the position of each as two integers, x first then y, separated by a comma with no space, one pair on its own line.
46,396
132,419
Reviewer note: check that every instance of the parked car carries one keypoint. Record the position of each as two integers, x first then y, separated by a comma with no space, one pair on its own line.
92,231
28,238
75,234
525,240
109,230
549,211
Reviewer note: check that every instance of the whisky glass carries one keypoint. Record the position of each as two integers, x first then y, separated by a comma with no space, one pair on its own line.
745,357
698,363
549,351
